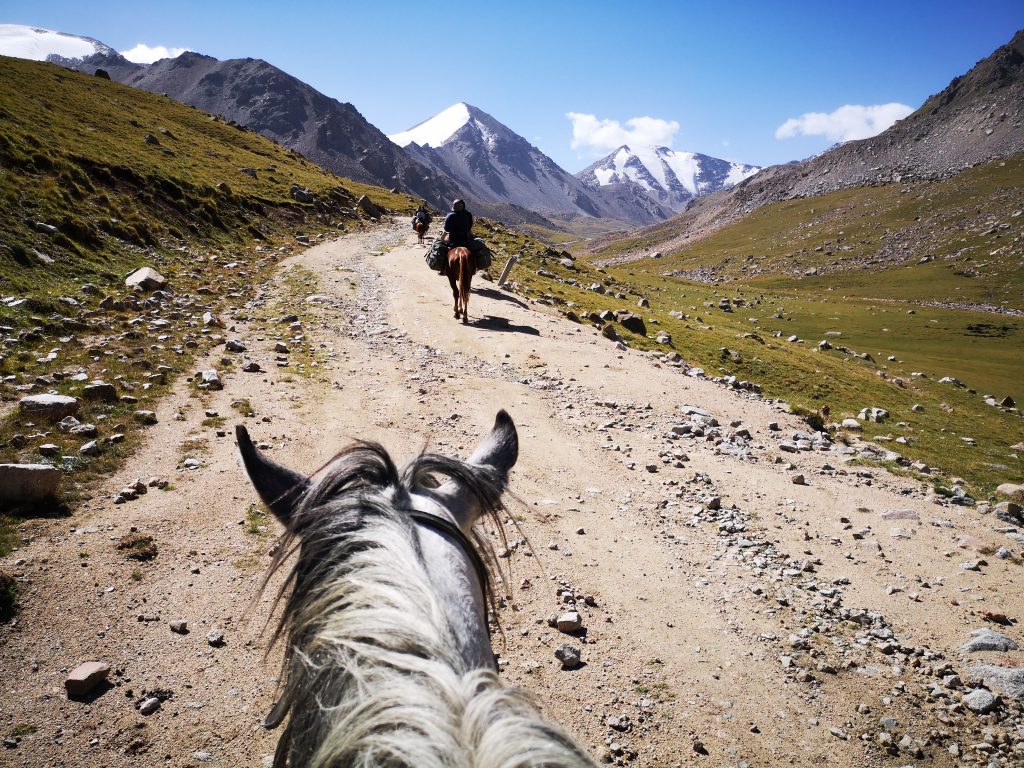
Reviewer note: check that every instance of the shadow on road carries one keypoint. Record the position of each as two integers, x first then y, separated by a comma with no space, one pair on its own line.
491,293
494,323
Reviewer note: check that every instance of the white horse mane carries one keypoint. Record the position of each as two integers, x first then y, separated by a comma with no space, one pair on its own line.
372,675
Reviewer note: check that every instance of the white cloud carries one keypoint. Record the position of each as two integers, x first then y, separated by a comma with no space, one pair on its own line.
144,54
605,135
849,122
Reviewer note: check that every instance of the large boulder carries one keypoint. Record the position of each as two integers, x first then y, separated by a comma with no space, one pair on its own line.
27,483
633,323
50,407
368,207
100,391
146,279
1009,680
1011,491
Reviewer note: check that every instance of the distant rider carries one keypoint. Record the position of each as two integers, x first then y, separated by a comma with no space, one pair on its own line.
422,214
458,225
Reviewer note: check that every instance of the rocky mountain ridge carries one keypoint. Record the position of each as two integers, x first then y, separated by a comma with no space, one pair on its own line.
978,117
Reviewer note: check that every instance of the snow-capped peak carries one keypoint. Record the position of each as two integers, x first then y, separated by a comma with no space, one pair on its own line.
438,129
672,177
24,42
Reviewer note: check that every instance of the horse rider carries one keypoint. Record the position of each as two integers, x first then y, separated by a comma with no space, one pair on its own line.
458,225
422,214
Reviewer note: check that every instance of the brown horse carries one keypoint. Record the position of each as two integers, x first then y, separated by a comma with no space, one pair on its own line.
420,226
460,275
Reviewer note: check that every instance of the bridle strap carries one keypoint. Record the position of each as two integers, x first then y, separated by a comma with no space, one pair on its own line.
449,528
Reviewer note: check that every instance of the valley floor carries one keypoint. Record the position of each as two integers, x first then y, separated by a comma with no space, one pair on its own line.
737,618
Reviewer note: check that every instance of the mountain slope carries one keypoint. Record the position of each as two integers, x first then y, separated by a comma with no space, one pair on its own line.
252,93
669,177
977,118
494,165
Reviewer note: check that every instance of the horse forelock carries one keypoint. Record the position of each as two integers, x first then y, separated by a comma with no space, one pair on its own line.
371,671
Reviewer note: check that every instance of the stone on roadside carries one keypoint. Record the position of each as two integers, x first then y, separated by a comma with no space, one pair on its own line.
215,637
209,379
234,345
1009,680
149,705
90,449
1009,512
368,207
50,407
986,639
145,417
179,626
569,622
27,483
632,323
569,655
1012,491
980,701
798,480
147,279
85,677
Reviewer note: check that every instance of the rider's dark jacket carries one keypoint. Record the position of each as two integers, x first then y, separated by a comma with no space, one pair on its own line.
459,226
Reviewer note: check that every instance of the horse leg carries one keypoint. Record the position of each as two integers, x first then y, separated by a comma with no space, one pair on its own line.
465,279
452,277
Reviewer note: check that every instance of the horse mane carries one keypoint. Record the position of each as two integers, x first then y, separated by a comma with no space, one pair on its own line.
371,675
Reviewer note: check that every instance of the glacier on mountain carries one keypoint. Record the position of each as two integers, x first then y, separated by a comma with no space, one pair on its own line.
23,42
670,177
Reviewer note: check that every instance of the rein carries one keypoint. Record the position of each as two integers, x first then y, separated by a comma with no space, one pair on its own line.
441,525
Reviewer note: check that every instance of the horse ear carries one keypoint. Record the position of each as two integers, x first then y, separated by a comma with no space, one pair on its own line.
280,488
500,448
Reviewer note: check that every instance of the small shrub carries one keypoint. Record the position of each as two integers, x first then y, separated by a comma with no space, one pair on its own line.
8,596
137,546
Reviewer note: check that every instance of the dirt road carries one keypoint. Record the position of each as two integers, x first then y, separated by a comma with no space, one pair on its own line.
730,615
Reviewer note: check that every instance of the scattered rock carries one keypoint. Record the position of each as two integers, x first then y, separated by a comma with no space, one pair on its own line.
1008,680
179,626
100,391
27,483
980,701
215,638
149,705
986,639
145,417
85,677
1011,491
50,407
367,206
146,279
569,622
569,655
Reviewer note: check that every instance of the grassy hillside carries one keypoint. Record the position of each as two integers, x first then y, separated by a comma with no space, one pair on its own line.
750,341
967,230
98,179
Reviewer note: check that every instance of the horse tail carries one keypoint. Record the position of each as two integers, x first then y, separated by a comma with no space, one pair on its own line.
465,277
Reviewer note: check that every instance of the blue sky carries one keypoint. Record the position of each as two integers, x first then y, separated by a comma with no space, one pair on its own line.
759,82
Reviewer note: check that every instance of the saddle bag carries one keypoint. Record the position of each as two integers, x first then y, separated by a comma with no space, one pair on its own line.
481,253
437,255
